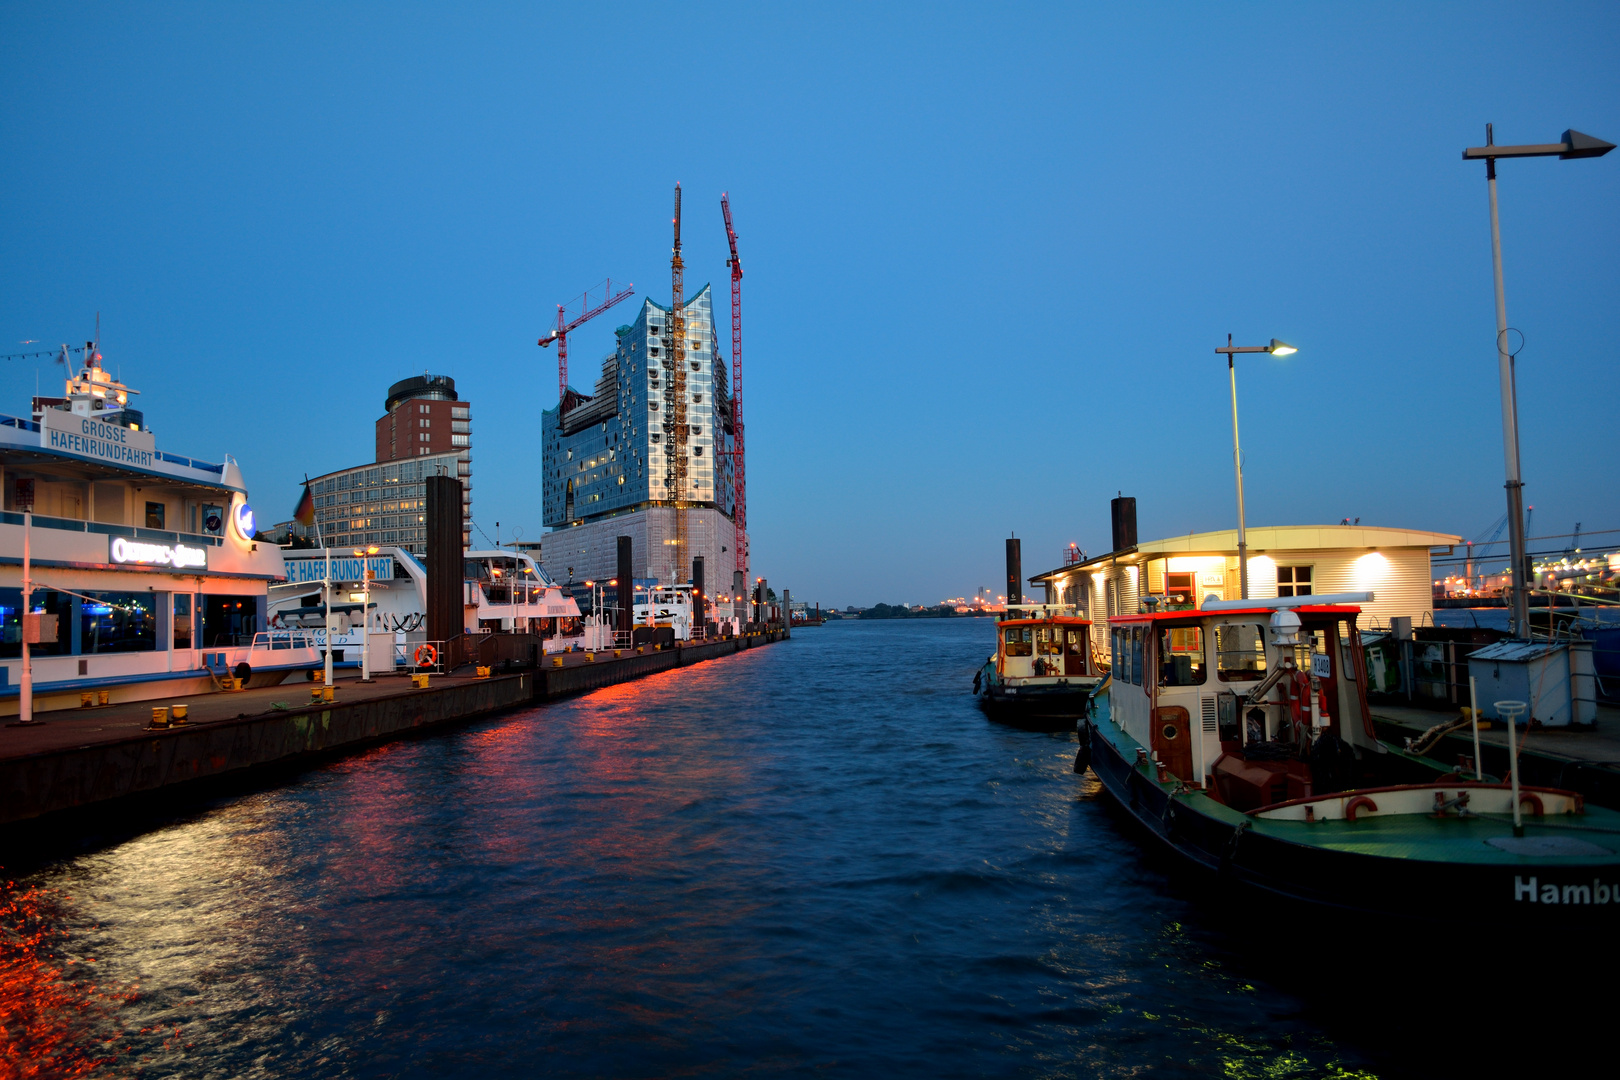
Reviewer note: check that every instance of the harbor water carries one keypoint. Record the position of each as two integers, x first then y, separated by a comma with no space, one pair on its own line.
813,858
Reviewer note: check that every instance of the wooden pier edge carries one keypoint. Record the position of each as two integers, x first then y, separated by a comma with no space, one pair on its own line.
52,782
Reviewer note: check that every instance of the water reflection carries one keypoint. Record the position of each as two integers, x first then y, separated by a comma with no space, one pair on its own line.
809,857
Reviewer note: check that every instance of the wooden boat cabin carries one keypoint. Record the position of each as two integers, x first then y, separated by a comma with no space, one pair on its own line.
1255,701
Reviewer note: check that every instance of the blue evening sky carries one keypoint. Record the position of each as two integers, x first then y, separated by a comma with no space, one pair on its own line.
989,250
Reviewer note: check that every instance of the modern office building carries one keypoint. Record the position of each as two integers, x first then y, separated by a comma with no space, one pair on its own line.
426,431
606,456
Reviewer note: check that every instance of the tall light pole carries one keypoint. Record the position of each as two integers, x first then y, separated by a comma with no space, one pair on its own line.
365,612
1574,145
1276,348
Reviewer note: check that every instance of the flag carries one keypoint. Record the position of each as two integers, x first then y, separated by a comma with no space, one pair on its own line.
305,513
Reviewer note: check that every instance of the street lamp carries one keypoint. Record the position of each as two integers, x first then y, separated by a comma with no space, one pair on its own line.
365,613
1276,348
1574,145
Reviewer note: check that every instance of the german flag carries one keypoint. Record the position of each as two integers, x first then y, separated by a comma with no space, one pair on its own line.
305,513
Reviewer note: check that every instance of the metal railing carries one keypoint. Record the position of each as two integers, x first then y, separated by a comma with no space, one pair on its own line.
284,639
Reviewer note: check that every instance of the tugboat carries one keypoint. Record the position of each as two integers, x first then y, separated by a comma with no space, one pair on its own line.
1238,737
1042,675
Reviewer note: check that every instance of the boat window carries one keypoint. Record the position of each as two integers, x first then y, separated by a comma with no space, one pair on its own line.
1049,641
1137,638
1018,641
1072,645
1181,656
1240,652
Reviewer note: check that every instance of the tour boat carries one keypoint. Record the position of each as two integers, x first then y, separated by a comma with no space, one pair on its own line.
1042,673
1238,736
503,591
127,573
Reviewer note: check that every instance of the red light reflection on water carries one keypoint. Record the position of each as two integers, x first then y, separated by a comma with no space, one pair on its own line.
54,1020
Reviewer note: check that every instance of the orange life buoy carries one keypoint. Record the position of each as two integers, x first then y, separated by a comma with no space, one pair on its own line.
432,655
1533,800
1358,803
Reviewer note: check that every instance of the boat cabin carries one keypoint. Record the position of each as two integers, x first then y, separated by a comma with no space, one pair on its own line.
1040,641
1242,697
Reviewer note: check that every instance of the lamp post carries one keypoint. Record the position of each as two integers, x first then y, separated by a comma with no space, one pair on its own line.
365,612
1574,145
1276,348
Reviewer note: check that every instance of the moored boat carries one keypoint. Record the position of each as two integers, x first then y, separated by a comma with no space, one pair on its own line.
1238,737
1042,673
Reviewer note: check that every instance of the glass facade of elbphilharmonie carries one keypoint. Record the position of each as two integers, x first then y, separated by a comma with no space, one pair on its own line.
607,453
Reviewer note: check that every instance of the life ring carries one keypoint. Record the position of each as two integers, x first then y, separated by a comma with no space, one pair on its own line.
1358,803
1534,800
432,655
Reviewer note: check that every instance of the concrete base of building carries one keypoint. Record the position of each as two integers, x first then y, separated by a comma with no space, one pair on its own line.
589,551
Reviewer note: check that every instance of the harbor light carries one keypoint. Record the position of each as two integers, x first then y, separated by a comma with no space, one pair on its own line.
1276,348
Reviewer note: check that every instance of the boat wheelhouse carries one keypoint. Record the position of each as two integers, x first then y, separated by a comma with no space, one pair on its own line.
1043,671
1238,735
146,580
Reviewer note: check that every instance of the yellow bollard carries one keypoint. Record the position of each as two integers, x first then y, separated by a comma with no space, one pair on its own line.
483,672
617,654
590,658
328,693
85,698
315,694
177,713
103,697
160,716
556,661
420,681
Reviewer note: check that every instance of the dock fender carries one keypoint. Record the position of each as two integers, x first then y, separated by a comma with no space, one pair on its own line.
977,677
1082,758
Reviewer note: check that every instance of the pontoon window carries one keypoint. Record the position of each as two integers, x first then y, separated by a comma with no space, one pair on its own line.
1181,656
1240,652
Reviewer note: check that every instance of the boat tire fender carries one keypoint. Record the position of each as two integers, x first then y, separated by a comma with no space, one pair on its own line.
244,672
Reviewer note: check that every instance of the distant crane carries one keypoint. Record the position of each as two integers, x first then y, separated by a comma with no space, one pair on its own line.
740,516
565,324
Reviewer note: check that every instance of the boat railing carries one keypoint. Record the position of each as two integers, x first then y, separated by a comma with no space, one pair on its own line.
276,640
40,521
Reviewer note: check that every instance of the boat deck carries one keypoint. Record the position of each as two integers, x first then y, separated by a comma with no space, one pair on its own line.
1421,837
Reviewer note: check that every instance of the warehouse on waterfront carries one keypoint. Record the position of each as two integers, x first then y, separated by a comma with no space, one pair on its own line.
605,456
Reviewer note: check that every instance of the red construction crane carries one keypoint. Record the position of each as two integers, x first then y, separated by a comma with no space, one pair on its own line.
740,517
564,325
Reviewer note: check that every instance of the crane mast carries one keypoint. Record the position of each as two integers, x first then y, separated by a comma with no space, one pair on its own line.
675,418
740,512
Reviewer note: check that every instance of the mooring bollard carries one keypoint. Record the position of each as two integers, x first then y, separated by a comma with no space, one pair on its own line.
590,658
328,693
160,716
85,698
315,694
556,661
177,714
103,697
420,681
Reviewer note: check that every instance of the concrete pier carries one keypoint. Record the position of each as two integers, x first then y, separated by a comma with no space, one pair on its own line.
93,756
